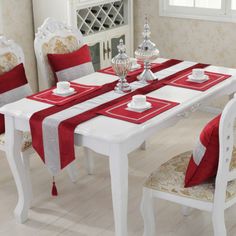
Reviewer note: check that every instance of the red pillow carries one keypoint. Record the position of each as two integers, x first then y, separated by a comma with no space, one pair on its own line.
70,66
13,86
204,161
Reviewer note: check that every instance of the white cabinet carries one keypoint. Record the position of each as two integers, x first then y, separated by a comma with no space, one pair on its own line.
102,22
104,46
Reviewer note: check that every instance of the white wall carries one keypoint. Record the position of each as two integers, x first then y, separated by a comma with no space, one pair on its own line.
197,40
17,24
186,39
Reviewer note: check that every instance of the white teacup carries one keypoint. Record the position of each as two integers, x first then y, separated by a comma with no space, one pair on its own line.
139,100
63,86
198,73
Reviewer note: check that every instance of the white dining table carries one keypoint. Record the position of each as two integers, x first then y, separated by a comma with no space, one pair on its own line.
111,137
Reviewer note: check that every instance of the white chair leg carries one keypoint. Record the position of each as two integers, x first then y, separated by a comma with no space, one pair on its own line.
144,146
72,172
89,161
147,210
186,210
218,220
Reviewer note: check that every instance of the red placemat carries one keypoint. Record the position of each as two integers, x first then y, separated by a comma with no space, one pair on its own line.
110,71
181,81
120,110
47,96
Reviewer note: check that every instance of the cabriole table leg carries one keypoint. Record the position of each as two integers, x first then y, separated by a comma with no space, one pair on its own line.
13,151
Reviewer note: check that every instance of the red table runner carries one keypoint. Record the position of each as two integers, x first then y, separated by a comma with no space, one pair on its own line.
109,70
65,128
47,96
181,81
120,111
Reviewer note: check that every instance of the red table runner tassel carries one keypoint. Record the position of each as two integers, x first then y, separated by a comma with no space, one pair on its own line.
54,187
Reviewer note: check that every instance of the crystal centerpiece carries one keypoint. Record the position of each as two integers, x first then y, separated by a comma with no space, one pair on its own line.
146,52
121,64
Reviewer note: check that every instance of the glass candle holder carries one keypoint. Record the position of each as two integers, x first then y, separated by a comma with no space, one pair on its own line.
121,65
147,52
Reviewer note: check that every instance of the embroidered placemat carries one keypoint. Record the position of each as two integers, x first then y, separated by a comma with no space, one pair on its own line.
122,112
182,81
48,96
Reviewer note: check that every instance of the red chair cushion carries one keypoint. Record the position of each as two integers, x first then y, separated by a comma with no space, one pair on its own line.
10,91
204,160
70,66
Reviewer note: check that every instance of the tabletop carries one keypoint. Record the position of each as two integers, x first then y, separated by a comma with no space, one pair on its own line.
120,130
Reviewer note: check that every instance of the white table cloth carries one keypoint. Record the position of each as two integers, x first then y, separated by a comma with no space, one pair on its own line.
117,141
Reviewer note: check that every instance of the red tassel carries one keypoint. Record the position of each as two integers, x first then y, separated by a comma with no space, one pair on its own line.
54,188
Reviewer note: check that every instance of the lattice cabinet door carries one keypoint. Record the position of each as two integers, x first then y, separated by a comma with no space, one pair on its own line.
107,20
97,50
102,23
114,41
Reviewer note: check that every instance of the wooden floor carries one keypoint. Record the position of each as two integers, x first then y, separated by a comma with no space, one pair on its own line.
85,208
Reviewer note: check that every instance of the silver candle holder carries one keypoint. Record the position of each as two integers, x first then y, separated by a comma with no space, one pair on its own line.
147,52
121,65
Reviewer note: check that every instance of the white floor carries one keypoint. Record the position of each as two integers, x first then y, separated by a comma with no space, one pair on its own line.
85,208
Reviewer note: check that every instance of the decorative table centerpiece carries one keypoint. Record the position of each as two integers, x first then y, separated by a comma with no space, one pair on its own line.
146,52
121,65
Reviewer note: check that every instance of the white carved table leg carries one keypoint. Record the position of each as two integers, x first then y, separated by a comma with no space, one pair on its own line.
89,161
13,151
72,172
118,161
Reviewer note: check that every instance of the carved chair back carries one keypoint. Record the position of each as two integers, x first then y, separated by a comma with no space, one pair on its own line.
226,137
53,37
11,55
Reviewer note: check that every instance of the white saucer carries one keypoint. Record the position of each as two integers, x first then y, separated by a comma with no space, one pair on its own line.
144,107
64,93
136,67
193,79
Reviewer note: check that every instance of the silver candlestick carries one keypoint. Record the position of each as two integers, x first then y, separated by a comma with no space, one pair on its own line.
147,52
121,64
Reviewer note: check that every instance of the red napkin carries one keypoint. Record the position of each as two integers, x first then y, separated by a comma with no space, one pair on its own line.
120,110
110,71
47,96
181,81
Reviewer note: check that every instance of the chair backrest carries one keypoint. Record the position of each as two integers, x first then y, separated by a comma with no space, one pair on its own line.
53,37
226,138
11,55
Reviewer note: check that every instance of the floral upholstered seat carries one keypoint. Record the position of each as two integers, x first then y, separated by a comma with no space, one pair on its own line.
169,178
27,141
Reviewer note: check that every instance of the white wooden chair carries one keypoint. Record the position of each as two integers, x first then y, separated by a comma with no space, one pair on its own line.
11,55
167,182
56,37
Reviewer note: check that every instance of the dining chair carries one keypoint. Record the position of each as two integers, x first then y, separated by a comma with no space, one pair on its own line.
55,37
167,182
12,55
